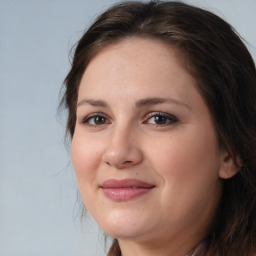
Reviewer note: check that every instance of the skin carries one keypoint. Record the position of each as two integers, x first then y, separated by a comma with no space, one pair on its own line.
179,155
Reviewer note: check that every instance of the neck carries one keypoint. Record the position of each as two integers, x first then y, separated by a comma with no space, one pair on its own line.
172,247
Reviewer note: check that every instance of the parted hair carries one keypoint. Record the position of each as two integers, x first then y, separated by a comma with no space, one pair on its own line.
214,54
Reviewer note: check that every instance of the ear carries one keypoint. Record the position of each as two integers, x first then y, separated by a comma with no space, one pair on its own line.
228,167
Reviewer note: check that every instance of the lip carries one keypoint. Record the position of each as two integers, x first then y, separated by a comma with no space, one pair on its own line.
126,189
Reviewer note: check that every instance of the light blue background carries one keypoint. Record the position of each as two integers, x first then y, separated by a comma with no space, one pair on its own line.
38,193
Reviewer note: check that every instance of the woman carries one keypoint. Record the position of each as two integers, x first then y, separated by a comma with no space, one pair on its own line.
162,116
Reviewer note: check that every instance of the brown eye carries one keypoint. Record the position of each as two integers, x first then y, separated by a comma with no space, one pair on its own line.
98,120
95,120
161,119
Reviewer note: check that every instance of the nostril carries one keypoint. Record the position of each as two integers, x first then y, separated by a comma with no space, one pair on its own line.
127,162
120,165
108,163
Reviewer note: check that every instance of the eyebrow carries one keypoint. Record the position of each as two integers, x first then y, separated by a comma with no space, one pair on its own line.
156,100
94,103
139,104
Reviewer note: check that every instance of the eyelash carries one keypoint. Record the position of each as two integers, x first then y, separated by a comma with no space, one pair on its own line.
90,117
166,119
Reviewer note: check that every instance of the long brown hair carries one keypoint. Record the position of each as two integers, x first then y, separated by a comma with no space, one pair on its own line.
213,53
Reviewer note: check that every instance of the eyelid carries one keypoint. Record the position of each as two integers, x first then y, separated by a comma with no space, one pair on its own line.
161,113
172,118
85,119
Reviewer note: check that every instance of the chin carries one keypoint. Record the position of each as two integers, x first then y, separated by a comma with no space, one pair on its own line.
123,225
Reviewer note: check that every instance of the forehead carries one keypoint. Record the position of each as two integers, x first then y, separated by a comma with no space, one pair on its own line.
137,46
135,60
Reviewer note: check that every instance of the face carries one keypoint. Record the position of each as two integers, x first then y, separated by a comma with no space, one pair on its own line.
144,150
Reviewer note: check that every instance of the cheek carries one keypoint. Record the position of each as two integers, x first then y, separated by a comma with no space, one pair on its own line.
189,161
85,160
188,167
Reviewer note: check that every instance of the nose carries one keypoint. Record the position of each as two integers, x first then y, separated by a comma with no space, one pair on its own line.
122,150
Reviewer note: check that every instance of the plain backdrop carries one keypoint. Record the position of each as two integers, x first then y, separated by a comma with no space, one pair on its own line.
39,210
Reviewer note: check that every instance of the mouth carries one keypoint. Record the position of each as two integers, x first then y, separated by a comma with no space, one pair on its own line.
124,190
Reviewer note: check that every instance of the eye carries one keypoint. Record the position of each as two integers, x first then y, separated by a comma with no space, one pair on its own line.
95,119
161,119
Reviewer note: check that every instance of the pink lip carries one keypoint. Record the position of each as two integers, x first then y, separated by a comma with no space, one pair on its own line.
124,190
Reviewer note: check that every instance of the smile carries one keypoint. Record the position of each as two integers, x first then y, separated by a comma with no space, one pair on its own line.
124,190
